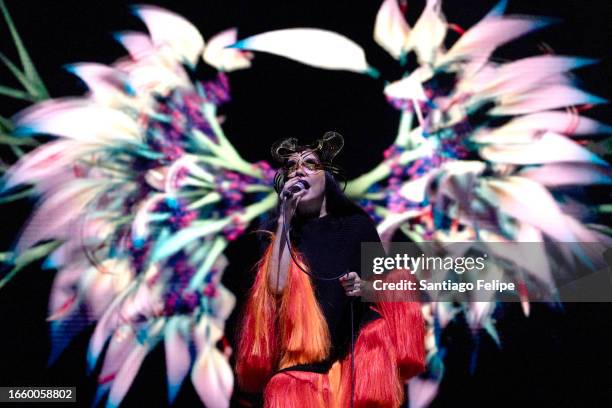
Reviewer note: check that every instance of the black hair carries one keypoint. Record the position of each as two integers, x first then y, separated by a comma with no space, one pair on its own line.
337,203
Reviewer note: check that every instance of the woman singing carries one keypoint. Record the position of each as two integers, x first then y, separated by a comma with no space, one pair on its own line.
305,342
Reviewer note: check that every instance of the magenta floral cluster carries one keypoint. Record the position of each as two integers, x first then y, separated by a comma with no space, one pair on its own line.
180,216
180,298
179,113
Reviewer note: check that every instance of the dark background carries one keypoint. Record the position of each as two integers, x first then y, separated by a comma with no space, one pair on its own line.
556,357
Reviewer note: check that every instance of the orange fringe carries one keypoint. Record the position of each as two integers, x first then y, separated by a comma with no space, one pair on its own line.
294,333
304,332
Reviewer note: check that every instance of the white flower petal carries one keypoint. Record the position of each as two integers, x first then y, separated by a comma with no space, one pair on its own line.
529,202
178,357
554,121
137,44
130,365
225,59
409,87
53,218
544,98
549,148
481,40
78,119
170,29
427,35
311,46
213,379
527,73
391,29
568,174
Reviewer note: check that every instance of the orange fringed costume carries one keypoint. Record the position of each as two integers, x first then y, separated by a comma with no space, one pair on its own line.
281,331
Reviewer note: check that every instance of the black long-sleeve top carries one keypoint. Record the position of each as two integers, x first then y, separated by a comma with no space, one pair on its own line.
332,247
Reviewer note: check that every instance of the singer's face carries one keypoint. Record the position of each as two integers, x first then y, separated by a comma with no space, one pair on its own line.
306,165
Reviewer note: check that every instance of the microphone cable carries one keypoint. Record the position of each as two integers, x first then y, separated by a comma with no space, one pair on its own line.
293,257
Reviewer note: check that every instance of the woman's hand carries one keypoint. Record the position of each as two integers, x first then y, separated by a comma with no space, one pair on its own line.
293,200
351,283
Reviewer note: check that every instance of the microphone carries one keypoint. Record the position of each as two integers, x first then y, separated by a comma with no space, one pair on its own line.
297,187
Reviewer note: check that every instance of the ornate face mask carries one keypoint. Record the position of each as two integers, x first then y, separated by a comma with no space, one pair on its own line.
325,148
308,161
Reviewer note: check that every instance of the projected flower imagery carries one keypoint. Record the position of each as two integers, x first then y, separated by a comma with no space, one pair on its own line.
142,191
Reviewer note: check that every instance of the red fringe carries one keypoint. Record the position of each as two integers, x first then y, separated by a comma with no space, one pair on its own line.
298,389
377,383
258,350
407,330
